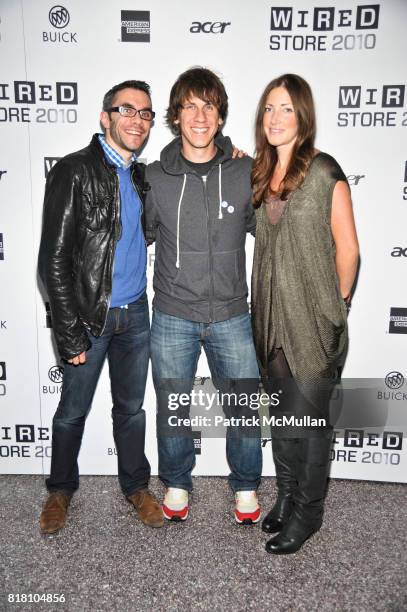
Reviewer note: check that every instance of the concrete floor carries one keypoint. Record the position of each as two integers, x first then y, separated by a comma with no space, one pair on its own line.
106,559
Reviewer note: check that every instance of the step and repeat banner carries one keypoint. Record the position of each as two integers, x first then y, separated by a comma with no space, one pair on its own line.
56,63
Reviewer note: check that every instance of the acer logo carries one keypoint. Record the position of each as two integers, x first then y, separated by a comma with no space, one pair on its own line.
354,179
208,27
399,252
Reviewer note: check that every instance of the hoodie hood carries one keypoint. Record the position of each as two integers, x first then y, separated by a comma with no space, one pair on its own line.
172,161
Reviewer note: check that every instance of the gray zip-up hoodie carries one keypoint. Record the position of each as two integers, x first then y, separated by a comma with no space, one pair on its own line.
199,225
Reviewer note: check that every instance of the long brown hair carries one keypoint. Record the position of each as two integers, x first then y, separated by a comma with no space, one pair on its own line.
303,151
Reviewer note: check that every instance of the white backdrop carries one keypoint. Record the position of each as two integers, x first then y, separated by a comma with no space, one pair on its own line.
56,63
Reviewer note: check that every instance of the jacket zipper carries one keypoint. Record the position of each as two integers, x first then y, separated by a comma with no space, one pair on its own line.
113,250
209,225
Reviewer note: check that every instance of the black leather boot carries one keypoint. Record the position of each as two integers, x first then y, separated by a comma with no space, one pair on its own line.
284,453
306,519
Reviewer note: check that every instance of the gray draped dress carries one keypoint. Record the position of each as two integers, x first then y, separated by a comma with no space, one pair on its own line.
296,302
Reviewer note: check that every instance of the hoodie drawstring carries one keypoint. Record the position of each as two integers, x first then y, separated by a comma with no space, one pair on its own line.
178,217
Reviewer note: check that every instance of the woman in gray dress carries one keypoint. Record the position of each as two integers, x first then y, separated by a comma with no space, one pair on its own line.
305,263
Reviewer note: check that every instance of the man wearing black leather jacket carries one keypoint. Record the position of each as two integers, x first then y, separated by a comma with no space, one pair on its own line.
92,262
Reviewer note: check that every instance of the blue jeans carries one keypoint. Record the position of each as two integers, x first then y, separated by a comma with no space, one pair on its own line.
175,349
126,342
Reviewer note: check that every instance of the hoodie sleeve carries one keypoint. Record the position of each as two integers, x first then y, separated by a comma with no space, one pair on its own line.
151,214
246,165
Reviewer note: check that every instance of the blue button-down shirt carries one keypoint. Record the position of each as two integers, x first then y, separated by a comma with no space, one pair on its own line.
113,156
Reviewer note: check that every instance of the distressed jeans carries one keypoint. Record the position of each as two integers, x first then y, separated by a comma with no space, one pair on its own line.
175,349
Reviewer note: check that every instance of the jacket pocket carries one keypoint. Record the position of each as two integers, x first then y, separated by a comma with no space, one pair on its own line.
229,275
97,212
192,279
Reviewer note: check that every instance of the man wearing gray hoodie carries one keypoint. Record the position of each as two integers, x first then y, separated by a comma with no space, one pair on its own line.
198,211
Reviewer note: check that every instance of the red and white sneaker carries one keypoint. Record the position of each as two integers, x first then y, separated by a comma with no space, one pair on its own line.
247,509
175,504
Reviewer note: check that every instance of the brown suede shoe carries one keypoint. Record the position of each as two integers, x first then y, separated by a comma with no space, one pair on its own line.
147,507
53,515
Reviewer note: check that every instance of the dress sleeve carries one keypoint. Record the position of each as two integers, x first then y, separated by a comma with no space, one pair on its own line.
329,173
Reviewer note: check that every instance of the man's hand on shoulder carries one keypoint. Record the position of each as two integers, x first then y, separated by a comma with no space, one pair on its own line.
78,359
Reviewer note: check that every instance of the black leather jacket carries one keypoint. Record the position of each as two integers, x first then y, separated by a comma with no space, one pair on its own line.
81,226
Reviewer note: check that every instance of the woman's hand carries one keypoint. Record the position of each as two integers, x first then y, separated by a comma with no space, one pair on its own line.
238,153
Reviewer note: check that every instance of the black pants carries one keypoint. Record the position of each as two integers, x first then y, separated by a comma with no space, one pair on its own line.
303,407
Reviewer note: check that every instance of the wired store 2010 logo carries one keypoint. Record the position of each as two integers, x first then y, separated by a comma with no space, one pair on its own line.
321,29
3,377
135,26
33,101
376,106
59,18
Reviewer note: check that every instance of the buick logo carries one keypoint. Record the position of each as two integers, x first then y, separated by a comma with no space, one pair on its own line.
394,380
58,16
56,374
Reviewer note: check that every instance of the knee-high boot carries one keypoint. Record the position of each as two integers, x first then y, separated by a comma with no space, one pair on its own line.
284,455
306,517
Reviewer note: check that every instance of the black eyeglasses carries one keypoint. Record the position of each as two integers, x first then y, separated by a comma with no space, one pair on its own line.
128,111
